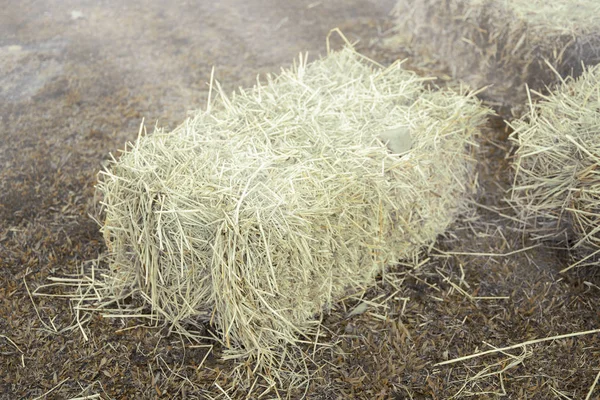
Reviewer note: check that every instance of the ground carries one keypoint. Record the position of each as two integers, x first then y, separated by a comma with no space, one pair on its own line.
76,79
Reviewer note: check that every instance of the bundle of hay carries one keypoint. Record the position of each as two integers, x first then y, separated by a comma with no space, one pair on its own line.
258,213
504,43
557,164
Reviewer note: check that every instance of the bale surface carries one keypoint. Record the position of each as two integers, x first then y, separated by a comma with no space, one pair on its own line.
260,212
504,43
557,164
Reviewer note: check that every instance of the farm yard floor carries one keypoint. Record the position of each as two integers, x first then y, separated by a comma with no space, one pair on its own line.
76,79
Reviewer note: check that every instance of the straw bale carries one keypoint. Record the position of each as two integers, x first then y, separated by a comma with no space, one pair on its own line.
557,164
503,43
258,213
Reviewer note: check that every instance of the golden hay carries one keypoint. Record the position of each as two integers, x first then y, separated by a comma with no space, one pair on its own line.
258,213
557,164
503,43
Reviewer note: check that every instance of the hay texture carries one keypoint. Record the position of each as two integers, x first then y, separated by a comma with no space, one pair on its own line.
557,164
503,43
261,211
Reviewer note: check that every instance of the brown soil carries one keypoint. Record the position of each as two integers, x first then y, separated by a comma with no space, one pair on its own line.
76,78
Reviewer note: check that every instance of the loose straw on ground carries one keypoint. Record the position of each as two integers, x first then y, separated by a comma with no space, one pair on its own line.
516,346
591,391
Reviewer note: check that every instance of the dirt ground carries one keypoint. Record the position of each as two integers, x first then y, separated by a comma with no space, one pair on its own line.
76,79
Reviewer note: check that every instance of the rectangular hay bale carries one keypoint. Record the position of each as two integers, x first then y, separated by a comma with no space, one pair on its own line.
503,43
260,212
556,189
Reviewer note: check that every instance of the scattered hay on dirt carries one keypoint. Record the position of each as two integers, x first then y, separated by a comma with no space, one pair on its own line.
504,44
557,164
258,213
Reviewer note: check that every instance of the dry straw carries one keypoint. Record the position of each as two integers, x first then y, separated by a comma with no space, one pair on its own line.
258,213
503,44
557,164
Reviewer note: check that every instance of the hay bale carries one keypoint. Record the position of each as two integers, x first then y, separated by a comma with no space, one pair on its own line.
257,214
557,164
503,43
